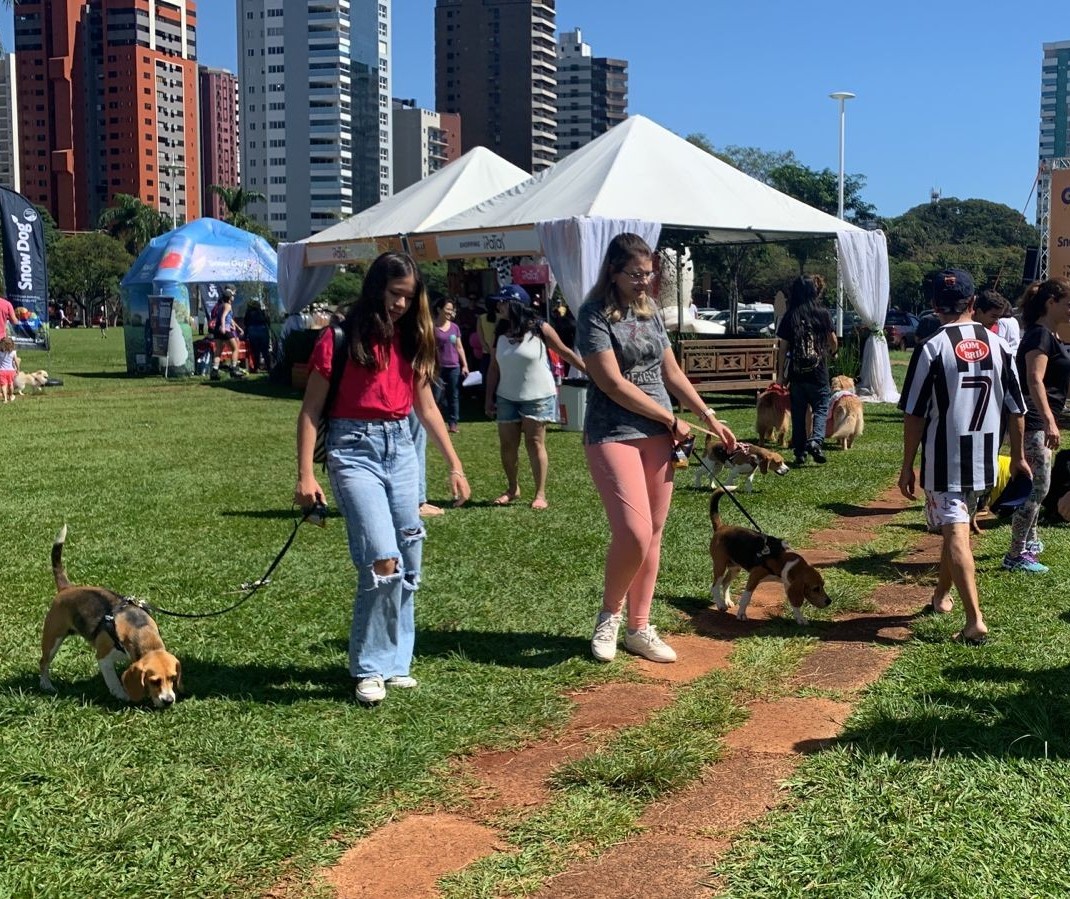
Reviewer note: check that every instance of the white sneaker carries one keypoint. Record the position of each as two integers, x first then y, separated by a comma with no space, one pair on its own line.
604,641
370,690
646,643
402,682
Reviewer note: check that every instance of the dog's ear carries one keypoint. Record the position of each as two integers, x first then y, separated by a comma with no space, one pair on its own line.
763,465
134,682
178,676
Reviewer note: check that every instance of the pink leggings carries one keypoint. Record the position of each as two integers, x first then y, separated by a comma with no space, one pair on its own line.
634,479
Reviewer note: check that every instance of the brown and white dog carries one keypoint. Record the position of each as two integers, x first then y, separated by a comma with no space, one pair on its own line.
744,461
846,421
35,380
117,627
734,549
773,413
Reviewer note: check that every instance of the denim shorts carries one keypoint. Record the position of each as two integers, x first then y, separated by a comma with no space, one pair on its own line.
510,411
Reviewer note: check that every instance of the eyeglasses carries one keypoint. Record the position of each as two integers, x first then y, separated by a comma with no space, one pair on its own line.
638,277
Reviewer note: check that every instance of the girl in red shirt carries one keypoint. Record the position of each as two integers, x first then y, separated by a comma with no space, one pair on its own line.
372,463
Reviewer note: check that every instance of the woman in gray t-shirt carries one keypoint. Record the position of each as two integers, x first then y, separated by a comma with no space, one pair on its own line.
628,433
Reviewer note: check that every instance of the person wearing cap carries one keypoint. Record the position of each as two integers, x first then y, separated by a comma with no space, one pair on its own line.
225,328
1044,370
521,391
631,437
960,383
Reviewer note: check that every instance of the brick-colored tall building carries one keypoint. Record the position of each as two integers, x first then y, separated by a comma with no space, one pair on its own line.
496,64
108,105
219,136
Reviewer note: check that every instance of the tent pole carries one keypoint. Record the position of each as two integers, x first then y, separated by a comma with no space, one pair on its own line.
679,304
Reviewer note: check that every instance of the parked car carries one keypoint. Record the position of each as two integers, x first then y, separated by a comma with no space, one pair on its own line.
714,315
900,329
756,323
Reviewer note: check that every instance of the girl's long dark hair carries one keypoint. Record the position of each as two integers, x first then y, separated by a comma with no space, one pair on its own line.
1034,302
519,319
803,306
368,324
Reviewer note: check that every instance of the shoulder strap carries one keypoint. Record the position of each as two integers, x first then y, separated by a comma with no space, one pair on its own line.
338,366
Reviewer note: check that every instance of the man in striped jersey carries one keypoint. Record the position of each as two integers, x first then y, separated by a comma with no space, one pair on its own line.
960,388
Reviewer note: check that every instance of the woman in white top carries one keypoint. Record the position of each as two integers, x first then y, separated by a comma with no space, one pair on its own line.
521,389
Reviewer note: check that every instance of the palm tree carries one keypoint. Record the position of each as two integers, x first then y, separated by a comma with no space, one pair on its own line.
237,200
133,222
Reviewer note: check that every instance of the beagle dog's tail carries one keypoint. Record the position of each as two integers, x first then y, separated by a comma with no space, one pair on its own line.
58,571
715,502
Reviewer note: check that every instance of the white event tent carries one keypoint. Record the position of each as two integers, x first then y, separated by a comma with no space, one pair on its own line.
640,177
307,266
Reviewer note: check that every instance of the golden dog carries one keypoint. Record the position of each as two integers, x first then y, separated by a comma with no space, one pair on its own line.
846,421
773,415
117,627
734,549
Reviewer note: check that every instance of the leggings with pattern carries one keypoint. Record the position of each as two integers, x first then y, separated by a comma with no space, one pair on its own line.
1024,522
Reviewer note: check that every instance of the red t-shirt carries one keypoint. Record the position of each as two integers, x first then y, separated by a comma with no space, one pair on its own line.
367,394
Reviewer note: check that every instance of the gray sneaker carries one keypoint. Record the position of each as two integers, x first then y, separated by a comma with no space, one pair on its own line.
646,643
402,682
604,641
370,690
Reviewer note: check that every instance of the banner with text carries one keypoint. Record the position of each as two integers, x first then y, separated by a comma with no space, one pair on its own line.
22,235
1059,225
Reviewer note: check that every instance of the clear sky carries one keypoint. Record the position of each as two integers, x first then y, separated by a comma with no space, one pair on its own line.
948,91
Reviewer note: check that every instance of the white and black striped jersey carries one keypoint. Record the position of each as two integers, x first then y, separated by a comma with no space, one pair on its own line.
962,381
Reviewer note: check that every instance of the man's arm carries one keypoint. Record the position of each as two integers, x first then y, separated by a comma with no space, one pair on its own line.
913,428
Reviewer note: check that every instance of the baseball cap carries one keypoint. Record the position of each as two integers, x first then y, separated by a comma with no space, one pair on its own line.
950,288
511,293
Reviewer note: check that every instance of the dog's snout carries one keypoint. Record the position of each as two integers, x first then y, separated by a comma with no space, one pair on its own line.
783,469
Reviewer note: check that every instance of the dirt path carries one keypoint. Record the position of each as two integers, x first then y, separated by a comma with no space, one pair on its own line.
688,831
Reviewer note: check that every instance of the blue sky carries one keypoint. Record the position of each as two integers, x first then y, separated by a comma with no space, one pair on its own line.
948,90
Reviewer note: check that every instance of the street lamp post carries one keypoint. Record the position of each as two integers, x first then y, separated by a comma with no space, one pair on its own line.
843,97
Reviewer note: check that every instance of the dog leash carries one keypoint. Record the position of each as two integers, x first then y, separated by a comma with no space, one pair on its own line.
731,494
316,514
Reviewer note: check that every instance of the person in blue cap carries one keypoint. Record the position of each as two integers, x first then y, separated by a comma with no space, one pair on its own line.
521,390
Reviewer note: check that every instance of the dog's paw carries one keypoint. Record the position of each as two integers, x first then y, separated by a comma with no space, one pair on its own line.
741,613
46,686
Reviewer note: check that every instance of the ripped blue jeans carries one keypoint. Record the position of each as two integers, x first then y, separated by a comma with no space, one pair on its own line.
375,478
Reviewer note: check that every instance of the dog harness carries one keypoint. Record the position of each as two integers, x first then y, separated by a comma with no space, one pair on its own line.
107,621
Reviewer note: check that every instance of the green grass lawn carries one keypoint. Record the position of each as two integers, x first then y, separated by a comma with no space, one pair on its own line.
178,492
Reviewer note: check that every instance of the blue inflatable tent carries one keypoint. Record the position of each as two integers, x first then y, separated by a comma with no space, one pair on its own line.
177,280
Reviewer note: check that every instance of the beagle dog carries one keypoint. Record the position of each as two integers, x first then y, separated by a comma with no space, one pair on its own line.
117,627
745,461
734,549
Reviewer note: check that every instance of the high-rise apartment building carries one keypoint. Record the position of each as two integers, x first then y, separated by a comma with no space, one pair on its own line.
219,136
314,81
9,124
424,141
592,93
496,65
108,105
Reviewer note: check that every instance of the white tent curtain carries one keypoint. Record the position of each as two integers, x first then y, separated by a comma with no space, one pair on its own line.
576,246
299,286
863,259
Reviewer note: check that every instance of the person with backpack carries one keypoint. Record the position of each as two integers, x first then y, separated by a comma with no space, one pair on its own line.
807,341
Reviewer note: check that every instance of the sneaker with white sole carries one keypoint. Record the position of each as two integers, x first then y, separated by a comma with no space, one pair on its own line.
604,641
370,690
1024,562
645,642
402,682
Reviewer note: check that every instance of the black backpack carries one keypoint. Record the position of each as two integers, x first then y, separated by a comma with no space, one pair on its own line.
806,354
